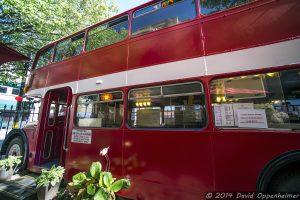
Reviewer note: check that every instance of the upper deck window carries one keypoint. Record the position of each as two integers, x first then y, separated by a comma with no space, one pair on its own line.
147,10
212,6
69,47
162,14
106,34
44,58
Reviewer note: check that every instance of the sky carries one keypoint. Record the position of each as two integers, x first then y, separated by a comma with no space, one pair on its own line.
128,4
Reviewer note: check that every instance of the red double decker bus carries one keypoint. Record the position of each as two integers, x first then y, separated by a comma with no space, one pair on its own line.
191,96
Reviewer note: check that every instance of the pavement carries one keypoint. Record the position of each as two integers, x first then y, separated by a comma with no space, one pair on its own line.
20,187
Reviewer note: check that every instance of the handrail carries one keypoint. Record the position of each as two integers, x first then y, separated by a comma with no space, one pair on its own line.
66,129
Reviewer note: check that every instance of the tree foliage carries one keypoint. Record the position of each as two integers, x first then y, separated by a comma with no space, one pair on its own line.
28,25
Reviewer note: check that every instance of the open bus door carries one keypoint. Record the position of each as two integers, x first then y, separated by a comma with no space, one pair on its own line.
53,127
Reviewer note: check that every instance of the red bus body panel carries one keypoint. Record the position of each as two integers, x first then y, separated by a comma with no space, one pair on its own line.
242,155
167,45
107,60
246,27
66,71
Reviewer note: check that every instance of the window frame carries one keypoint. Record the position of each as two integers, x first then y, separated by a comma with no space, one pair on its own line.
98,93
245,73
65,39
205,105
197,13
106,26
153,4
53,46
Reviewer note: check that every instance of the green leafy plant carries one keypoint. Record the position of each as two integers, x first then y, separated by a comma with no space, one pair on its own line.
52,176
10,162
95,184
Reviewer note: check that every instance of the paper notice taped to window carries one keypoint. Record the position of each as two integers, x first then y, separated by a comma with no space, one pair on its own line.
237,106
252,118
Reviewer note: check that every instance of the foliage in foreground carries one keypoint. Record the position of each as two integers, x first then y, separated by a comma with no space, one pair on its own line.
10,162
52,176
95,184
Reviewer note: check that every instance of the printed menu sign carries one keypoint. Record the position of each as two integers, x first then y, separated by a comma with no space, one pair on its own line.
238,106
82,136
252,118
224,115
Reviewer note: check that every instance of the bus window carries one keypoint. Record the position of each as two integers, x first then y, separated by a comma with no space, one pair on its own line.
31,106
168,106
100,110
15,91
106,34
162,14
146,10
45,58
69,47
52,113
260,101
3,90
212,6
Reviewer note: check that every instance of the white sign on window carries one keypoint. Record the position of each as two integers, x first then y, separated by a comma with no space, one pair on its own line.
237,106
81,136
224,115
252,118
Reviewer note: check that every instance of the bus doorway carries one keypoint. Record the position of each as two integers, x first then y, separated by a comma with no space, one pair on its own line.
53,128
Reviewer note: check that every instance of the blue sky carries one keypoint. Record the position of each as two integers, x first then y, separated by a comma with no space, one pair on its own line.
128,4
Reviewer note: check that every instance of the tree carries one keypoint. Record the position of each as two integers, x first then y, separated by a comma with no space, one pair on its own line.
29,25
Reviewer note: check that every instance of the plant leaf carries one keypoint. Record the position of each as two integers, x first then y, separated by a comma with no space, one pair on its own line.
52,176
107,179
95,169
79,178
91,189
120,184
101,195
101,179
53,182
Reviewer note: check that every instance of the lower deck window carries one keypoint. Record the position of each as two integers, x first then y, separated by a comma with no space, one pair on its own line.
168,106
260,101
100,110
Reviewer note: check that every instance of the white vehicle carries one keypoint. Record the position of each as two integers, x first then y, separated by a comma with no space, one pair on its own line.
7,97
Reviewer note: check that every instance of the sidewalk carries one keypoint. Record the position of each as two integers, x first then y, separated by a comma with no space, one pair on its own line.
21,187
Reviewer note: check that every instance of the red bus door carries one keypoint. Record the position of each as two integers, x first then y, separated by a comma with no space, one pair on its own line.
53,127
48,127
